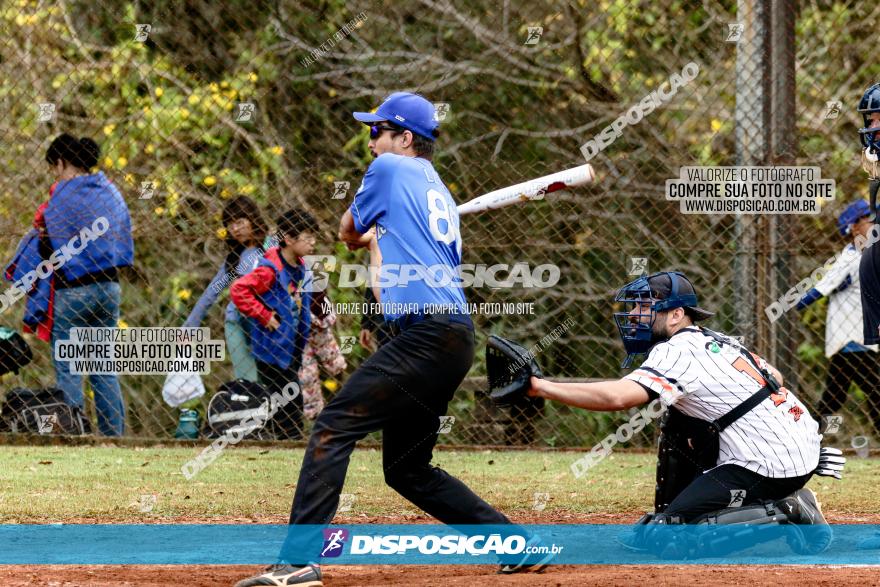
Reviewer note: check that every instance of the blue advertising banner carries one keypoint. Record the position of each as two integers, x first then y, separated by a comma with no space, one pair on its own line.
594,544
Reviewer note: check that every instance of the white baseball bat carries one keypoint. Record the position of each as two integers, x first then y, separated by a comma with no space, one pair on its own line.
534,189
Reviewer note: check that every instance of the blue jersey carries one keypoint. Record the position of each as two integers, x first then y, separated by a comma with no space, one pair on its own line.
417,227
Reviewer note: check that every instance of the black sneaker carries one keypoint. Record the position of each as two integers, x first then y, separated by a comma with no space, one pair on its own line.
282,575
802,509
633,538
534,562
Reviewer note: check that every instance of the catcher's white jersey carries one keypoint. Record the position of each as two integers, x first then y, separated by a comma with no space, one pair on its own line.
777,438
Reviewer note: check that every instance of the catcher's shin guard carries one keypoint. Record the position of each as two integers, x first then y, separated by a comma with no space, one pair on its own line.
714,534
805,528
732,529
765,513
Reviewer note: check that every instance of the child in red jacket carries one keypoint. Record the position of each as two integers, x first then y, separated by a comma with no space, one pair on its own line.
275,297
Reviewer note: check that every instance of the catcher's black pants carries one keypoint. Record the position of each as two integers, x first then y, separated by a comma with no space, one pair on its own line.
403,389
730,486
861,368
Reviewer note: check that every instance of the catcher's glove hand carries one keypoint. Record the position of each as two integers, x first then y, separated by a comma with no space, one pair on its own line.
509,369
831,462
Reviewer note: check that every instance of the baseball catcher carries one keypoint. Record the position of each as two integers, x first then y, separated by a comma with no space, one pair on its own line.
736,445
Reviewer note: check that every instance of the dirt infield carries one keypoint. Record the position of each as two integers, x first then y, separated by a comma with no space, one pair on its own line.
446,575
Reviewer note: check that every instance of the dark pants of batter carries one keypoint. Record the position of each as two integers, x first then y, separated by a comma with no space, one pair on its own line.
403,390
287,423
716,489
861,368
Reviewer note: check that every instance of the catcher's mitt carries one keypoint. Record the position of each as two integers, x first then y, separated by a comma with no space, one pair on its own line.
509,368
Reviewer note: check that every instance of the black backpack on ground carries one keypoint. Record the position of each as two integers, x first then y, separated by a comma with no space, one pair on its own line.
239,408
41,411
15,352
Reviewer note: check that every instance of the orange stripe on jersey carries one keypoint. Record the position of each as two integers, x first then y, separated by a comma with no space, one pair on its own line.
740,364
663,383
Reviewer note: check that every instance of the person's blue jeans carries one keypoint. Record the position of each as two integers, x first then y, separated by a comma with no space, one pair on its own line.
94,305
238,349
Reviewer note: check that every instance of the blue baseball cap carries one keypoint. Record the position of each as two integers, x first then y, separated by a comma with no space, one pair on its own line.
410,111
851,215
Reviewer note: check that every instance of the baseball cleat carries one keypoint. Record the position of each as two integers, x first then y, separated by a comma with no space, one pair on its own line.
810,507
529,563
803,510
283,575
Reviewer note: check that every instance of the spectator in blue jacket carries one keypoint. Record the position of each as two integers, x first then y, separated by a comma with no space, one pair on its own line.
276,297
245,231
87,292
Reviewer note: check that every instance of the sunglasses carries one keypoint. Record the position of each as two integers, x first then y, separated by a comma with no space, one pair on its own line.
376,130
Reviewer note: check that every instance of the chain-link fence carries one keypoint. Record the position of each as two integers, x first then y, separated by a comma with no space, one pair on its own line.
196,104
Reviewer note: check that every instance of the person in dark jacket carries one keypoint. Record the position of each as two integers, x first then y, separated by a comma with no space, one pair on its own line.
87,291
276,297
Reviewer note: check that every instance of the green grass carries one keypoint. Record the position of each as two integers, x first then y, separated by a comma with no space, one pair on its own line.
42,484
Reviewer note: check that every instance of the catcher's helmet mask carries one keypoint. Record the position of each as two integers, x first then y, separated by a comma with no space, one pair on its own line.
869,104
664,291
